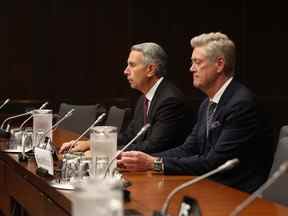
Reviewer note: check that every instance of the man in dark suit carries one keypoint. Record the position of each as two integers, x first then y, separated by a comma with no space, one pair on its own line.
228,125
145,72
161,105
166,116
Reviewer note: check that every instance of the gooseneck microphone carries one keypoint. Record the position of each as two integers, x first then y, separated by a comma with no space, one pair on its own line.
67,115
23,156
4,133
142,130
226,166
4,103
282,169
13,117
25,121
100,118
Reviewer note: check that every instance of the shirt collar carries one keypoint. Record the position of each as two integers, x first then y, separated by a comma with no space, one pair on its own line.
220,92
150,94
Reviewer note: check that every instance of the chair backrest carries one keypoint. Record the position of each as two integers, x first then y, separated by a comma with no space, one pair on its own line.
82,117
115,117
283,132
278,191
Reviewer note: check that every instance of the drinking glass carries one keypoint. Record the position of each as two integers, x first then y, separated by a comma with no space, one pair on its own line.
42,122
103,140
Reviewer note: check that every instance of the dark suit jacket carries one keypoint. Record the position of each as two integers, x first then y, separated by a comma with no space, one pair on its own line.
167,118
235,133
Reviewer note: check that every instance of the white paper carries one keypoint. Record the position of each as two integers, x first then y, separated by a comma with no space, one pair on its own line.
44,159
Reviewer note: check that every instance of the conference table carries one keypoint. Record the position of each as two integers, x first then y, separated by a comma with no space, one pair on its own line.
20,184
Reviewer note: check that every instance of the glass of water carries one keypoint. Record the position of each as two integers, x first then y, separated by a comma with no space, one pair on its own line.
42,122
103,140
27,136
15,139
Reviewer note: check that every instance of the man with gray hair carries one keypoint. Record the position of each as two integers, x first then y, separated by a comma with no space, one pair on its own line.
161,105
228,124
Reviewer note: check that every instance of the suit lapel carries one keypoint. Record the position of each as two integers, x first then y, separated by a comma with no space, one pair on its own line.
203,118
202,131
228,93
154,102
140,118
140,109
220,109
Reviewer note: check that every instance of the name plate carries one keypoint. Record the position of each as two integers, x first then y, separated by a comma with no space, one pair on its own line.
189,207
44,159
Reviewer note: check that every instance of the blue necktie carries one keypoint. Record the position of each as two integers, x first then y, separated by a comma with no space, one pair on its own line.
210,112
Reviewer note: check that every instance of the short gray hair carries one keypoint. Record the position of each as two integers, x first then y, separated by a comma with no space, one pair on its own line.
217,44
153,54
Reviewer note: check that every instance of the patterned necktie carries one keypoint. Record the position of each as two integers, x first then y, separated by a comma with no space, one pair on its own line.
210,112
146,104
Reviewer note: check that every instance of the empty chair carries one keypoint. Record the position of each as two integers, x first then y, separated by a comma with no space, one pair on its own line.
283,132
116,117
278,192
82,117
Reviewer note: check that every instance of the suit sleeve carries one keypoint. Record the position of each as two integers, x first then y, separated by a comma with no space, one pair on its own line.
129,133
125,137
236,132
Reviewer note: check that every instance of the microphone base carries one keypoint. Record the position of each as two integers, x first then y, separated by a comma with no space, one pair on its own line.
126,195
4,134
158,213
42,172
22,158
132,212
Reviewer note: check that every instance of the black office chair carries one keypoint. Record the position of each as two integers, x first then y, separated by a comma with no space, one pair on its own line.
82,117
278,191
116,117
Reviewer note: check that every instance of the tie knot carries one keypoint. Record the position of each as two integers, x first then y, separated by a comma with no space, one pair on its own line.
211,107
146,101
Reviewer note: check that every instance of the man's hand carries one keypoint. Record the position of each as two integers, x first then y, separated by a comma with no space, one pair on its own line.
135,161
79,146
88,154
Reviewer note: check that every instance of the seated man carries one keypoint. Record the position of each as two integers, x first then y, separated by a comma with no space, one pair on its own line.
161,105
227,127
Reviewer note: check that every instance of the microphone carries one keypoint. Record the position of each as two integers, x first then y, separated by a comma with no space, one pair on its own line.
67,115
23,156
24,122
4,103
100,118
13,117
281,170
224,167
4,133
142,130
